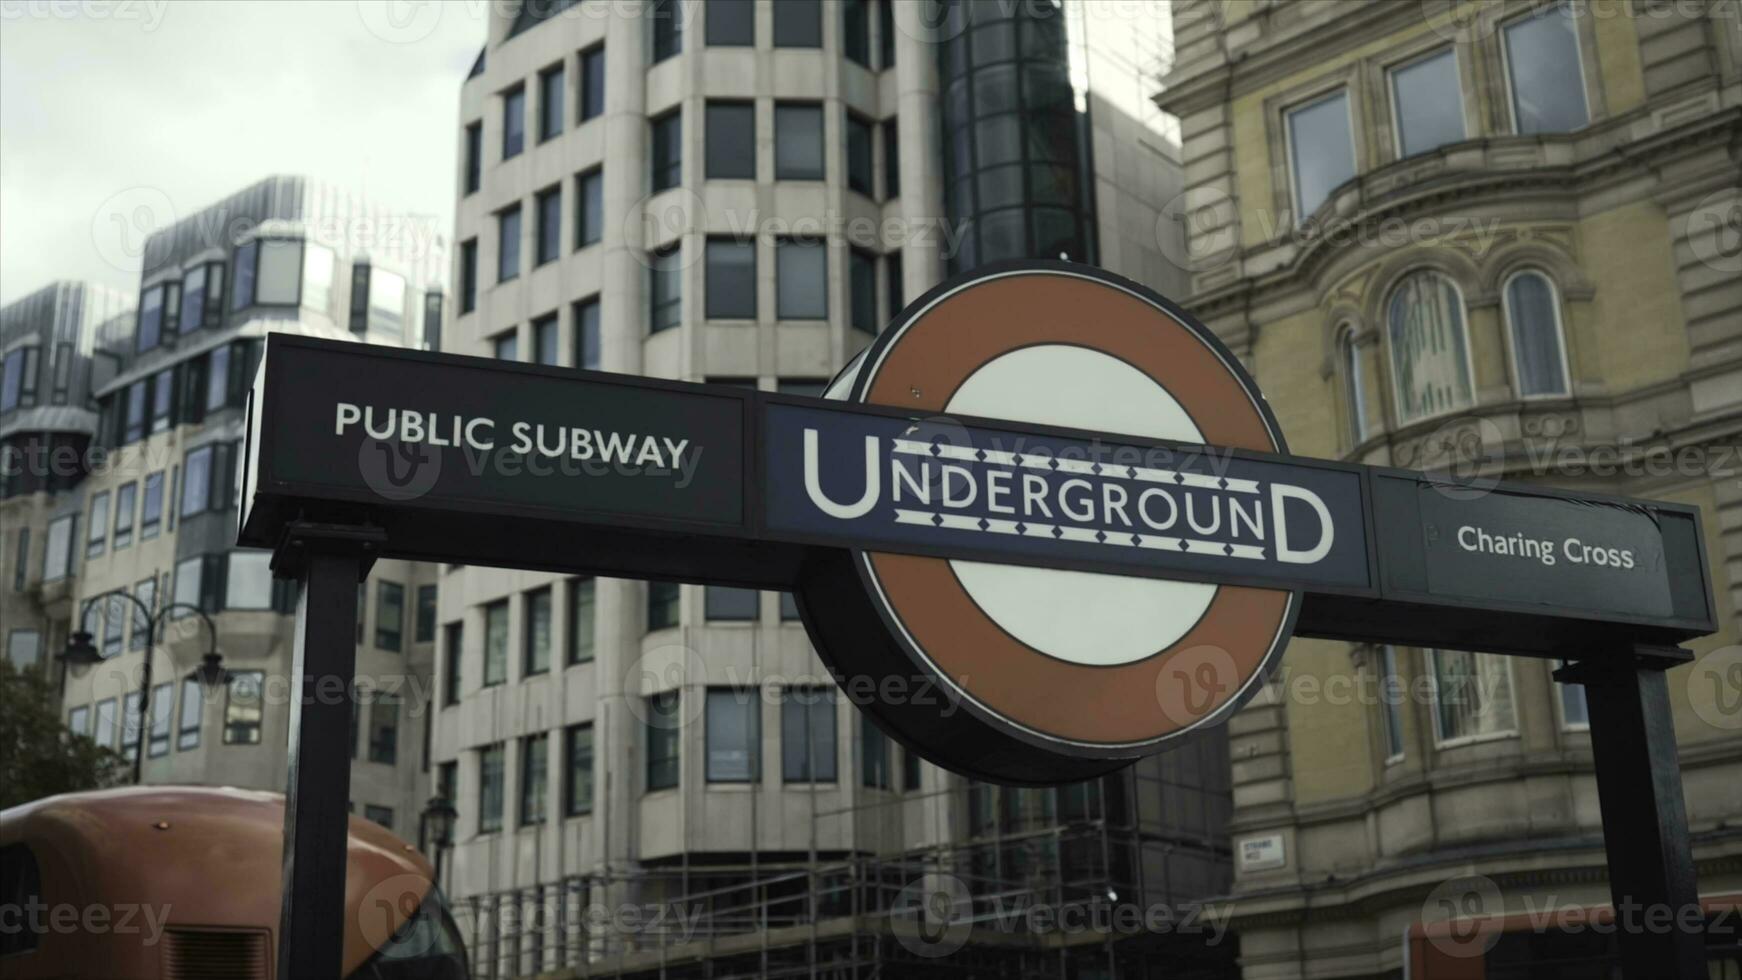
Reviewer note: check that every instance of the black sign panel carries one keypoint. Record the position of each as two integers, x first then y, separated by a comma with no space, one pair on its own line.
472,460
962,489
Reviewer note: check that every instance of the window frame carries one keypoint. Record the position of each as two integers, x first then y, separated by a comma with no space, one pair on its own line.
1509,83
667,723
259,723
572,807
1511,331
1390,297
748,700
549,128
1341,89
1392,101
1441,741
1354,385
584,89
501,676
507,95
533,808
547,238
584,211
530,665
709,285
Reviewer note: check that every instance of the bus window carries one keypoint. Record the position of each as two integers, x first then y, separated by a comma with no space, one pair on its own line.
20,890
426,947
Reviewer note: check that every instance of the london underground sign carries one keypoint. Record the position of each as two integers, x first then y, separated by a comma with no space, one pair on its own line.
1045,491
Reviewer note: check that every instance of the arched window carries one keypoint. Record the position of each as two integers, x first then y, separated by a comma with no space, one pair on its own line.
1354,386
1533,317
1430,362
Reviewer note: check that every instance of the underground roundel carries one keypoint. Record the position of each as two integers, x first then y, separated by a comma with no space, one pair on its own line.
1026,673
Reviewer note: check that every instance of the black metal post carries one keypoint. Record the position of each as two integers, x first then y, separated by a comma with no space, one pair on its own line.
1645,825
330,563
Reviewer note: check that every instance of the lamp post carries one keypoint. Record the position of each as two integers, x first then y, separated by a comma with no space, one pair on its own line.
438,822
210,675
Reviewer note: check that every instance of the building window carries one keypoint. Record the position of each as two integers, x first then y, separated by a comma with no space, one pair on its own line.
730,132
1427,103
909,769
1354,387
452,636
1429,351
115,612
856,31
550,102
217,394
789,608
21,559
125,497
202,294
190,582
665,289
886,34
505,346
389,615
105,732
807,735
592,82
667,17
279,264
133,427
490,772
468,275
132,725
242,296
544,340
432,320
536,641
20,371
873,755
891,158
206,473
243,707
382,815
1391,699
193,709
1533,318
550,224
1472,695
513,121
893,285
798,24
508,244
589,207
534,776
57,554
667,151
248,582
426,614
1544,72
496,643
859,155
97,525
24,649
1321,151
664,725
387,303
1575,710
734,735
798,141
162,399
148,331
801,280
578,782
384,729
731,23
585,315
730,276
724,604
862,286
151,510
79,720
580,624
662,605
474,156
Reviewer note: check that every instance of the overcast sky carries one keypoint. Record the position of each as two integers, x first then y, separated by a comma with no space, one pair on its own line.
118,116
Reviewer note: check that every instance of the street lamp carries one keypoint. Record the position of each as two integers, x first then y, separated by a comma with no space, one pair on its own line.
82,652
438,823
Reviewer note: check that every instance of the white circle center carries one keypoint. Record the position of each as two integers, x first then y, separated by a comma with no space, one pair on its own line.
1082,617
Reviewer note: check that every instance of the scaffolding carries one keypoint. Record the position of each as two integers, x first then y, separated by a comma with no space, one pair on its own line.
1100,880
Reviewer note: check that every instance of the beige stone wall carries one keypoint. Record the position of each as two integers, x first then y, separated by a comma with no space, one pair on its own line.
1624,216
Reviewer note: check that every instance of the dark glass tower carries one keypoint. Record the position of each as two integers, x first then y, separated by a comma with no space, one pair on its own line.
1016,144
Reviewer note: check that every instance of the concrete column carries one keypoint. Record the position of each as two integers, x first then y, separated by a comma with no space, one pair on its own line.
922,191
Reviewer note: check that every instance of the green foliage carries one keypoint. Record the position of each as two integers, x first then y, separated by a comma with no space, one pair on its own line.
39,756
